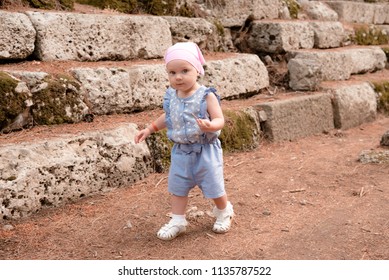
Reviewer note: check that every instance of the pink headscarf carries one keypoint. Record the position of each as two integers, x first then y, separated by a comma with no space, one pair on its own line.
187,51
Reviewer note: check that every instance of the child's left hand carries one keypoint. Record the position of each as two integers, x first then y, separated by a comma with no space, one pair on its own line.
204,124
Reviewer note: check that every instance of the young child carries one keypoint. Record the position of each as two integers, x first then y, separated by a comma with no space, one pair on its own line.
193,118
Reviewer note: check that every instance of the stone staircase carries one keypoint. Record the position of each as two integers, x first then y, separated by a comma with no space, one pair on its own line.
117,76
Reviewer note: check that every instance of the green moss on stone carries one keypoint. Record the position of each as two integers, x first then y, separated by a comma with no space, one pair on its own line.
11,178
219,28
237,134
12,103
369,36
382,88
215,3
185,11
386,51
293,8
153,7
124,6
51,102
51,4
67,4
160,147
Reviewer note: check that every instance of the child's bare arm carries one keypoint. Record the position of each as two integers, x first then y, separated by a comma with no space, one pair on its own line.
216,114
156,125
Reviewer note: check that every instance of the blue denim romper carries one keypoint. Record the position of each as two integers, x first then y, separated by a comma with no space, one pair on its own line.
196,157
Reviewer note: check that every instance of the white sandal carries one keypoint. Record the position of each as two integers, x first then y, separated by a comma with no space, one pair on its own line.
223,218
172,229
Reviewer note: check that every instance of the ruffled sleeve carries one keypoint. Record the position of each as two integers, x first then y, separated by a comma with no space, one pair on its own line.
166,107
210,136
203,103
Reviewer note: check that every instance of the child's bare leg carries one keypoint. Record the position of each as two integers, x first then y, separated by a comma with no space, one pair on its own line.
221,202
178,223
179,204
224,213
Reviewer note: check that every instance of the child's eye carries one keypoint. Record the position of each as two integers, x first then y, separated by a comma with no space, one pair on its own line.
184,71
172,73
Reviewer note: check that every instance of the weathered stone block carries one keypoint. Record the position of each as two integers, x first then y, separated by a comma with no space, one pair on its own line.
339,64
280,36
304,74
139,87
328,34
297,117
241,75
17,36
354,104
93,37
54,171
370,13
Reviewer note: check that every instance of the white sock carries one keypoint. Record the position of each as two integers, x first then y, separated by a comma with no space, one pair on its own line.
226,210
178,218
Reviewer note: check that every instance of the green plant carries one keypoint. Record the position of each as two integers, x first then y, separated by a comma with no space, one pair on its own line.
293,8
160,147
51,103
185,11
382,88
51,4
386,51
237,134
12,103
369,36
219,27
215,3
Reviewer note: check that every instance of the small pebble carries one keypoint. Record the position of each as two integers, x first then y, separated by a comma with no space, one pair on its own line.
8,227
266,212
128,225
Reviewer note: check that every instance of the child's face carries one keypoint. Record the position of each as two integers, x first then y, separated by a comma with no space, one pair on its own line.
182,76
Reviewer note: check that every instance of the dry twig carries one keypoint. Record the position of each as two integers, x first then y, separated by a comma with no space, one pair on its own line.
160,181
295,191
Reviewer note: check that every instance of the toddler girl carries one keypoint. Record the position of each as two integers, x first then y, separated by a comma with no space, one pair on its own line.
193,118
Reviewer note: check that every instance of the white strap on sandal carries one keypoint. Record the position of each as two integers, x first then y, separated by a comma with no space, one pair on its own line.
172,229
223,218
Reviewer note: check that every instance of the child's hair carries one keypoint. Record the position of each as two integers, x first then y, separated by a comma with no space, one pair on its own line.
187,51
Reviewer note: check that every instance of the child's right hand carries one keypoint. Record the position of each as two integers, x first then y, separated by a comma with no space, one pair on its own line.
142,135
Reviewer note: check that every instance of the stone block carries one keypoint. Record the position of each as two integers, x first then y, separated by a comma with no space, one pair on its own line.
17,36
339,64
354,104
297,117
54,171
93,37
140,87
279,36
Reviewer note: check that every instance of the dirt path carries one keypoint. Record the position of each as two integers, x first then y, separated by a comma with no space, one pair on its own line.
306,199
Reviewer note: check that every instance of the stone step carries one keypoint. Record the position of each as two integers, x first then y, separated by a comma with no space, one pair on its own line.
117,88
109,91
93,37
308,68
358,12
279,36
52,170
50,165
342,105
354,103
20,44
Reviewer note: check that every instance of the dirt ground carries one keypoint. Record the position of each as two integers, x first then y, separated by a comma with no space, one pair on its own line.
304,199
